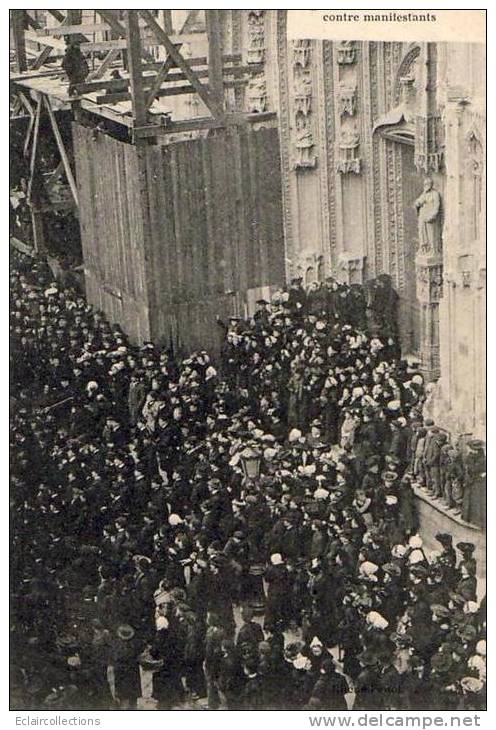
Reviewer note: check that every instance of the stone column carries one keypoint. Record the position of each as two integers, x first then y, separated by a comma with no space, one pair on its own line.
429,270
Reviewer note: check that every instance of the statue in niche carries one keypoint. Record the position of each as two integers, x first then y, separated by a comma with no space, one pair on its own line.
257,95
301,52
349,160
304,144
256,36
347,100
346,53
303,94
428,206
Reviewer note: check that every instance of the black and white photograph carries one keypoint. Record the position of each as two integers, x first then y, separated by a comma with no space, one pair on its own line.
247,374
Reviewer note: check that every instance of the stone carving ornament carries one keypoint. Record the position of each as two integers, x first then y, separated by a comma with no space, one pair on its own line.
304,144
256,36
303,94
428,206
349,160
347,53
347,100
257,95
301,52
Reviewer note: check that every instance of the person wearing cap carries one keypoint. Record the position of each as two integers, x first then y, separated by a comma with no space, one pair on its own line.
474,493
431,460
446,560
297,299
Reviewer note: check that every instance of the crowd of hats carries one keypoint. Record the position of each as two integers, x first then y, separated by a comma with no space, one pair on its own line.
135,530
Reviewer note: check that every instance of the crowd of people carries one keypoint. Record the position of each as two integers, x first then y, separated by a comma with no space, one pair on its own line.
246,530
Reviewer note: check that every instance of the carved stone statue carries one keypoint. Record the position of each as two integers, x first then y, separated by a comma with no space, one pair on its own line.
303,94
304,144
428,206
256,36
257,95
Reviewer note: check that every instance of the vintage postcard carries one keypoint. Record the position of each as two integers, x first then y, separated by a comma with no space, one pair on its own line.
247,362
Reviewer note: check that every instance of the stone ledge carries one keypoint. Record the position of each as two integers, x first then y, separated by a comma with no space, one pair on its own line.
434,518
438,505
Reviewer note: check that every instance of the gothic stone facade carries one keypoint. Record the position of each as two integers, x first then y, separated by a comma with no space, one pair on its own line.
362,125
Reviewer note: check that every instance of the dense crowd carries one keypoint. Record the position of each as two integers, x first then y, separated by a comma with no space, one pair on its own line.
142,540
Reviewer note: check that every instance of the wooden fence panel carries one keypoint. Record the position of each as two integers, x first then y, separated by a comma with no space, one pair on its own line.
173,235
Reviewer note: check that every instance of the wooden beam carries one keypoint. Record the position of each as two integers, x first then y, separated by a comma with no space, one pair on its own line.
63,30
199,123
86,47
111,56
126,95
116,45
54,175
34,147
125,120
215,75
19,39
88,87
57,15
27,104
167,21
32,116
164,40
159,80
62,150
28,135
42,41
120,30
134,60
121,92
32,23
41,58
38,230
74,17
111,20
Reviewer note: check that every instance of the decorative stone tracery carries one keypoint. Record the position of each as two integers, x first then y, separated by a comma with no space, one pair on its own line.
256,36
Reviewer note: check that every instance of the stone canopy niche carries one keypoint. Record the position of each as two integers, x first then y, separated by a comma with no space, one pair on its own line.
415,122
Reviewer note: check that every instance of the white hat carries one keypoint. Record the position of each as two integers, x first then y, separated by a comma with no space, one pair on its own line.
394,405
415,541
321,493
276,559
477,662
294,435
301,662
480,647
269,454
175,520
398,551
368,568
471,684
268,437
376,620
417,556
